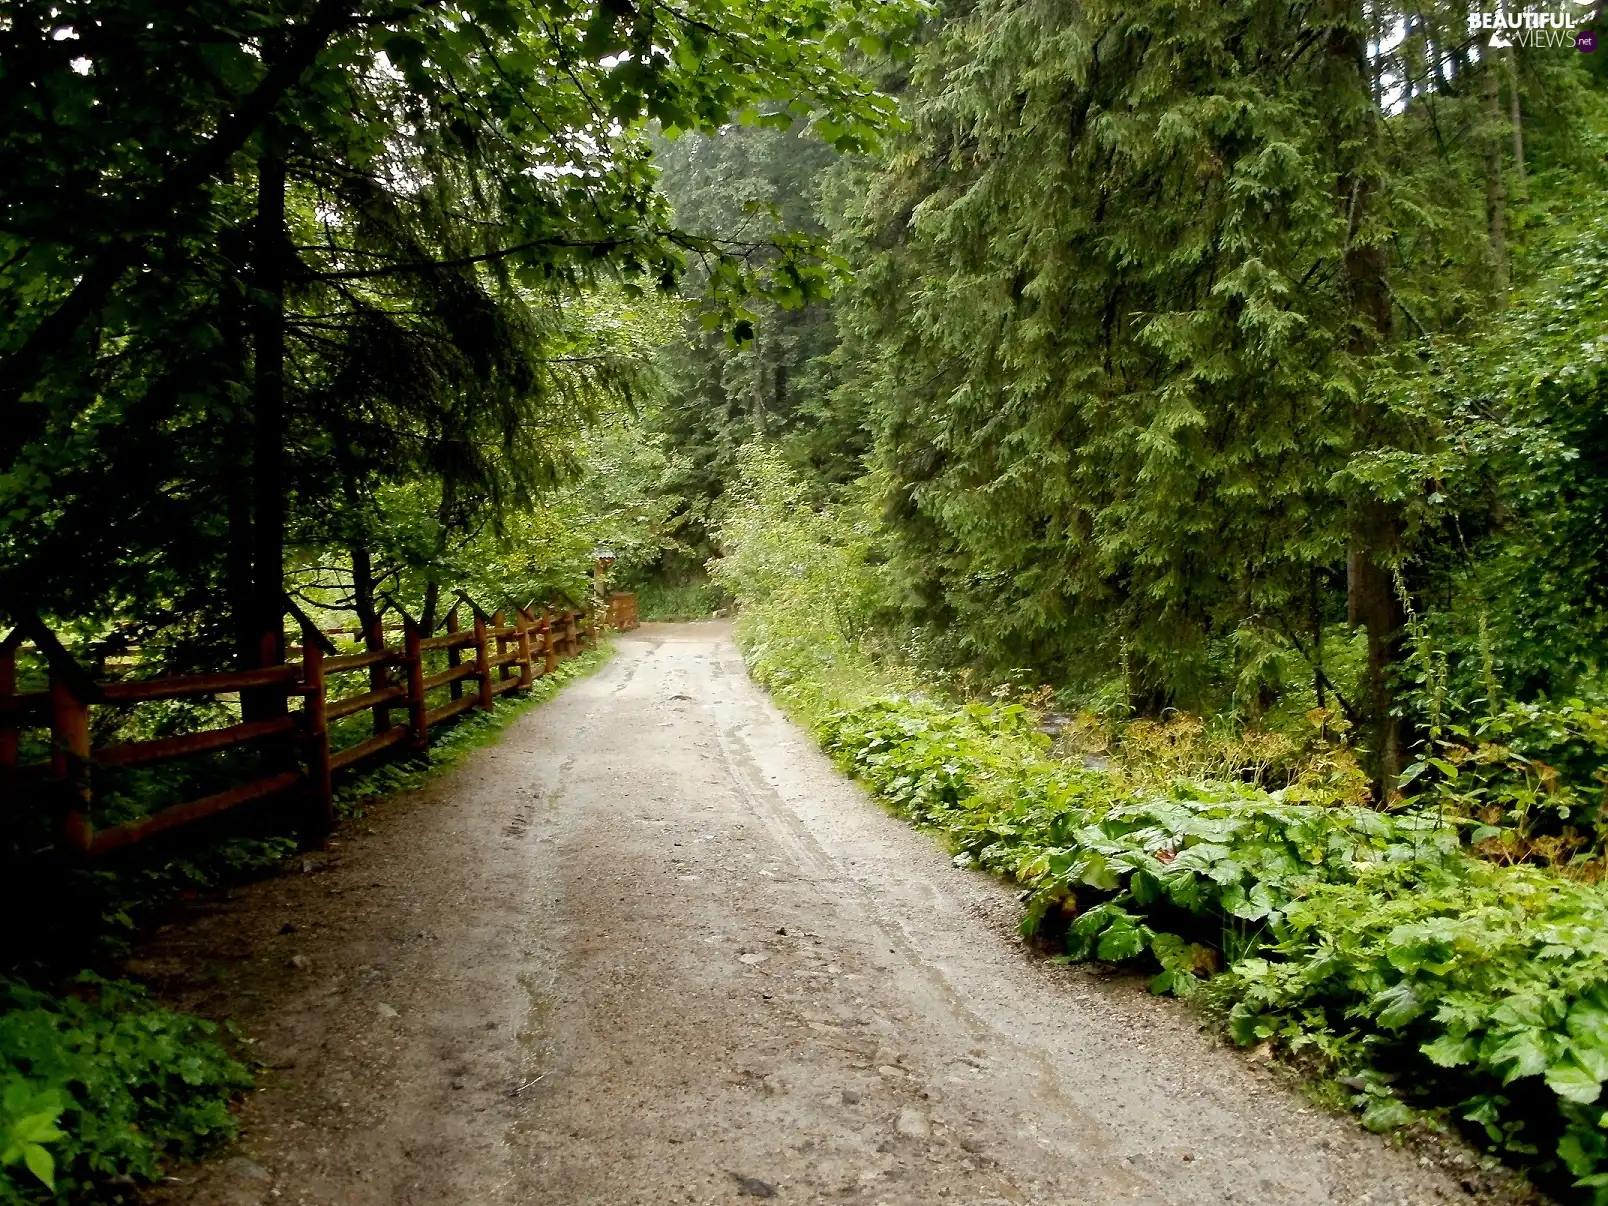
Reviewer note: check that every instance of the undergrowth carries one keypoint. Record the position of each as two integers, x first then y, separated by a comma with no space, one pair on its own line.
671,601
98,1085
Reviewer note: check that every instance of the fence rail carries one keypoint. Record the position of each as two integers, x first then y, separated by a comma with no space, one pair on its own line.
495,654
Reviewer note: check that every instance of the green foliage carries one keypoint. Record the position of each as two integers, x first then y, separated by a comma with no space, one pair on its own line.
1362,939
620,494
800,575
412,321
696,600
1147,388
747,184
102,1084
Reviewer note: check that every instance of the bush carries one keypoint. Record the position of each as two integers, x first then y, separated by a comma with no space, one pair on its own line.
103,1086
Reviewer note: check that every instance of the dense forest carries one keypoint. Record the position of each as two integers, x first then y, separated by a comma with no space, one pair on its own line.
1220,389
1184,361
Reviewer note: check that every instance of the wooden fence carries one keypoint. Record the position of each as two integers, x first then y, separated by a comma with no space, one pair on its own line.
622,611
484,657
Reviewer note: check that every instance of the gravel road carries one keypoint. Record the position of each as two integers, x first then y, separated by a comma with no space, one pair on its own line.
652,948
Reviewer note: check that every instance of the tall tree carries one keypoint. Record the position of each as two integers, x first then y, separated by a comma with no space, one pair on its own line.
1123,292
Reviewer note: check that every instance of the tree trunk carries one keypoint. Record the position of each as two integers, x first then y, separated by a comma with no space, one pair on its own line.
237,572
268,411
236,490
1374,527
432,586
432,601
1516,120
1372,602
1495,200
363,586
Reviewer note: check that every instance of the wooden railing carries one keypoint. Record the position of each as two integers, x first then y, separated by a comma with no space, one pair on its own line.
490,655
622,611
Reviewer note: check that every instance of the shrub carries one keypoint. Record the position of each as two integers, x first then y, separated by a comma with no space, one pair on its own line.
104,1085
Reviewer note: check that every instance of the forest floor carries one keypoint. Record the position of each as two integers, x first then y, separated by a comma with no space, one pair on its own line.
651,947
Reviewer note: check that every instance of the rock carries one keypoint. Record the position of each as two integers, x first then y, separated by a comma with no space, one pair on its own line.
889,1070
851,1097
288,928
912,1124
300,962
752,958
242,1169
753,1186
386,1011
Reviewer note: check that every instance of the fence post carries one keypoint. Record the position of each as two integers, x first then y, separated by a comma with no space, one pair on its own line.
572,636
69,761
379,673
315,724
522,624
454,654
503,671
549,655
482,661
413,662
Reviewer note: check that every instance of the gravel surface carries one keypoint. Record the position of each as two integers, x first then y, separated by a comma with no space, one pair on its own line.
652,948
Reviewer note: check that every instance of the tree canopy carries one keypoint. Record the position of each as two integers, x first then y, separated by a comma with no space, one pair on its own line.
258,260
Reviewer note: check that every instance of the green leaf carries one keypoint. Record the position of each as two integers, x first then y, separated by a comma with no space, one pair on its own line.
1121,942
1525,1052
1570,1080
41,1163
1397,1006
1449,1052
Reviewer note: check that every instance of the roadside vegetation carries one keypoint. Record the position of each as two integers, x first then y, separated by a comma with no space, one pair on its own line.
1441,960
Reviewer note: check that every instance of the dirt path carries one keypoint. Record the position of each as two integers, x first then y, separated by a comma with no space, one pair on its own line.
652,948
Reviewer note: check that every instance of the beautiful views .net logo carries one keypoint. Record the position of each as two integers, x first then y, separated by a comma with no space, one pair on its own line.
1536,28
